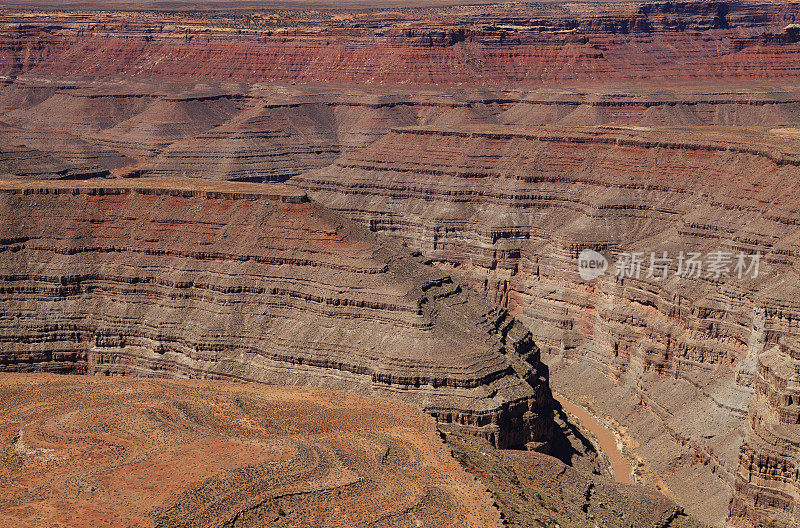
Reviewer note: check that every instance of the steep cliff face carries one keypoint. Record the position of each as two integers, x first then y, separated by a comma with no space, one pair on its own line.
506,208
493,45
244,282
767,481
510,211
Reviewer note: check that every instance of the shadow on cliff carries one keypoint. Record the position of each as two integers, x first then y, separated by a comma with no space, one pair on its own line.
570,445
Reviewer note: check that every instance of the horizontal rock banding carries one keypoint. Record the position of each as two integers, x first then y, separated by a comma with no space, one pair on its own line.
76,129
490,45
768,477
164,278
431,193
510,209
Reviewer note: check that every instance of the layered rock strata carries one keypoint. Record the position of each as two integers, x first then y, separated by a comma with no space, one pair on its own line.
510,210
532,489
767,481
79,128
182,278
506,44
261,145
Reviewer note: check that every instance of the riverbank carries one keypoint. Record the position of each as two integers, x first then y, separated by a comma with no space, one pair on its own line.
605,439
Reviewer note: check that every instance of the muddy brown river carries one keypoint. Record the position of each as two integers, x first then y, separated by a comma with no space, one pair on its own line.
608,444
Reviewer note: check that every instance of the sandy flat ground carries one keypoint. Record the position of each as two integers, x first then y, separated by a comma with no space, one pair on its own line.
86,451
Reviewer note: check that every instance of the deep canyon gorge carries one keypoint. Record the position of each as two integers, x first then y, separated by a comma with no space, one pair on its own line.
393,201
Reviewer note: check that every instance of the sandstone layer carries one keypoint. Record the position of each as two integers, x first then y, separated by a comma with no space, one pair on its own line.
60,128
538,131
236,281
510,209
506,44
86,452
767,481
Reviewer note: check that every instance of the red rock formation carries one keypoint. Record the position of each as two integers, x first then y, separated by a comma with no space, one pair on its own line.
87,451
262,144
165,278
79,129
45,154
493,45
509,210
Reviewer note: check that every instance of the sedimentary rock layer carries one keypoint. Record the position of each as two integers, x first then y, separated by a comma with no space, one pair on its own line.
510,210
86,452
533,489
507,44
185,278
56,128
767,481
262,144
191,94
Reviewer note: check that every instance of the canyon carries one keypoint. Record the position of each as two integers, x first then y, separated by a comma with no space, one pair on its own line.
89,451
509,211
434,176
240,281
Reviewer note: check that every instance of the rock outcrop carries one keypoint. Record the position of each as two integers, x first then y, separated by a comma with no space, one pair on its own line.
184,278
85,452
533,489
501,142
495,45
71,129
510,210
767,481
260,144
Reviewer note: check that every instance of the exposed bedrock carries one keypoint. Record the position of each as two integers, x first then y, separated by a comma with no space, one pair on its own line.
58,128
228,131
506,44
767,481
85,451
509,210
238,281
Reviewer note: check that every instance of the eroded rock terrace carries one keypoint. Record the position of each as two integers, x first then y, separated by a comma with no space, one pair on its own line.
251,282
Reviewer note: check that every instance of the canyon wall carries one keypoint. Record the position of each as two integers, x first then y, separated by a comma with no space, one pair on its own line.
56,128
510,210
183,278
503,45
767,481
500,142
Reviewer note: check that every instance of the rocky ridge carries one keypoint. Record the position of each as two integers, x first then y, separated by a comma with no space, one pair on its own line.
767,480
509,210
186,278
